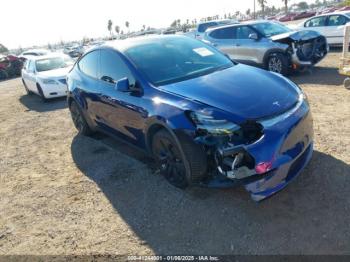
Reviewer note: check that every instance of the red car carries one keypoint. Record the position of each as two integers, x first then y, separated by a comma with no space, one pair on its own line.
304,14
345,8
287,17
10,66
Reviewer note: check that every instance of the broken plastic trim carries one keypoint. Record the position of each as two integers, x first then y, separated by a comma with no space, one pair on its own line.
234,162
231,159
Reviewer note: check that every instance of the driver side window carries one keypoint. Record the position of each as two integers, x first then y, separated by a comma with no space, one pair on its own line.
113,68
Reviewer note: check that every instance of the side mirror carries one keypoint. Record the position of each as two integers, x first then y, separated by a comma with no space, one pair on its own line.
123,85
253,36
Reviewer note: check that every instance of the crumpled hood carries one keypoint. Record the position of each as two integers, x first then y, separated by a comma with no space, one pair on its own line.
56,73
300,35
243,91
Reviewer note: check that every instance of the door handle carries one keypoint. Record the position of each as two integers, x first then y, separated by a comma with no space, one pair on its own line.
238,44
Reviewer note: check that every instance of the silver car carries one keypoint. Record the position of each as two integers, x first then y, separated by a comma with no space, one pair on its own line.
270,45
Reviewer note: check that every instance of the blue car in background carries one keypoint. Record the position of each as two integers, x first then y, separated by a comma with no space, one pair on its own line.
206,120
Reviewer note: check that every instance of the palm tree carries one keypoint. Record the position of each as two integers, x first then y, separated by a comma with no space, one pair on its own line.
262,4
127,24
110,24
285,5
117,29
173,24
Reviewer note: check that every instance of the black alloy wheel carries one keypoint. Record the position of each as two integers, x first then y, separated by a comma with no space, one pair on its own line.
169,159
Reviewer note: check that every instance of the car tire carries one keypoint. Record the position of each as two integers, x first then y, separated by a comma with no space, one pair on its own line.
278,63
3,75
79,120
182,162
26,88
41,93
347,83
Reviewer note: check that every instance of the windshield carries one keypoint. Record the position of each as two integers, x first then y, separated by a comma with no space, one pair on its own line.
53,63
269,29
175,59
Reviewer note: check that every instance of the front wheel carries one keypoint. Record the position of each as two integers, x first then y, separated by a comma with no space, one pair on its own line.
278,63
180,166
41,93
26,88
79,121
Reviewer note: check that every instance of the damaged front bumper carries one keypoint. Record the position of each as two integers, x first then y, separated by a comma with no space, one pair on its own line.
306,47
268,164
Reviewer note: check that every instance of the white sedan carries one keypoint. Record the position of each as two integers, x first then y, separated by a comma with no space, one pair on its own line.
330,25
46,75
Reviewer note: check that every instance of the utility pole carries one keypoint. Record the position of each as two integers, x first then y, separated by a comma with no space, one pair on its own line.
254,11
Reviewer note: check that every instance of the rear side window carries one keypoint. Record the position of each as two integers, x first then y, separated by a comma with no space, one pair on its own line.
203,27
317,21
336,20
224,33
89,64
113,68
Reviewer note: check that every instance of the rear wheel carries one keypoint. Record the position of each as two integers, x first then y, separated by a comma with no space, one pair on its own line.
278,63
79,121
347,83
180,166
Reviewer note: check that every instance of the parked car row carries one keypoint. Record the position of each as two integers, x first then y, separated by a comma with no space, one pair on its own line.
10,66
292,16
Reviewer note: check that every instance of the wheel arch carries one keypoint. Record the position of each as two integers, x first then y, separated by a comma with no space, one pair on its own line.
273,51
194,170
152,127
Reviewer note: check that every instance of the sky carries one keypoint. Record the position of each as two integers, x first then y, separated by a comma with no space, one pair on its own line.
37,22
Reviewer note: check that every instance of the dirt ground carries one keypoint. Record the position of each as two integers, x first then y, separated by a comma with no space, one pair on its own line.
65,194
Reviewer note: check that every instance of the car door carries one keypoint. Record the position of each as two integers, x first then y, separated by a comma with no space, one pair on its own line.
87,84
30,76
248,50
335,28
318,24
121,113
222,39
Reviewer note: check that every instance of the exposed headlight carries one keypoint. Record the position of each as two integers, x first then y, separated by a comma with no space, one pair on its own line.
211,125
49,82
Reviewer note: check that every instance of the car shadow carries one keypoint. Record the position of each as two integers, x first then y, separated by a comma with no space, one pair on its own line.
310,216
34,103
319,76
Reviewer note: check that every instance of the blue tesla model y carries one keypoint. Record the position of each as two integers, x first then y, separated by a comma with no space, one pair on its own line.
207,120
